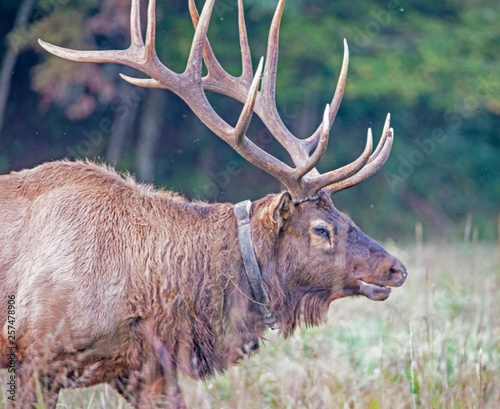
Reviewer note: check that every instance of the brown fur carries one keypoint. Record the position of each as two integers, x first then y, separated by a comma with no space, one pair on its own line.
117,282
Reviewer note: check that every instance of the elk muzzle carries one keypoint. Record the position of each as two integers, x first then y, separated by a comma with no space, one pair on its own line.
378,289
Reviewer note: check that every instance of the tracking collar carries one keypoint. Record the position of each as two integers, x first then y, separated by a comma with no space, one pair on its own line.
252,269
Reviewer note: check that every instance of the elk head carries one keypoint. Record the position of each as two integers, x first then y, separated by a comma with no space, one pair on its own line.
318,255
321,248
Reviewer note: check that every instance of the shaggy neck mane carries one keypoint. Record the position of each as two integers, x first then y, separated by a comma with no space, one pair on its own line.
204,314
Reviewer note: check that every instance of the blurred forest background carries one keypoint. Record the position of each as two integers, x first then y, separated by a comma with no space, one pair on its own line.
434,65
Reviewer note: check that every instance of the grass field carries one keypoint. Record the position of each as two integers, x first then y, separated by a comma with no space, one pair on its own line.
435,343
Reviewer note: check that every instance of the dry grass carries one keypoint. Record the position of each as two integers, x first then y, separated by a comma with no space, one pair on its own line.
435,343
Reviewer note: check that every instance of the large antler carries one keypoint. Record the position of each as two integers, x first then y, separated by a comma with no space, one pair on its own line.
304,180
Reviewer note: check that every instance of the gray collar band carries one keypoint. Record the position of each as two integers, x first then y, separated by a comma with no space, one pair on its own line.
252,269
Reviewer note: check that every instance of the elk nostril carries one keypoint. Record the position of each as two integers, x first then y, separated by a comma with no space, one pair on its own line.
398,273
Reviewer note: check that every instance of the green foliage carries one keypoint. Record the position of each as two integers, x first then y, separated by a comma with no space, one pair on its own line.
434,65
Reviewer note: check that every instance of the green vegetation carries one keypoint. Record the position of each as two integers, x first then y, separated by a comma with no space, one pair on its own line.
433,344
434,65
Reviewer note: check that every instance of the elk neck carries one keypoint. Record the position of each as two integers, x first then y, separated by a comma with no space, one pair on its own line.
251,266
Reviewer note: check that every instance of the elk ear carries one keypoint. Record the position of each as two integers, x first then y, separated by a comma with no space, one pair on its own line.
278,209
283,209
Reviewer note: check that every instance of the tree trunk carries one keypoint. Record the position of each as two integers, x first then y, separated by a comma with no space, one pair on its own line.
10,58
149,133
126,109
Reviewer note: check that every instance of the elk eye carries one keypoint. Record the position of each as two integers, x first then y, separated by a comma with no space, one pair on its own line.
321,231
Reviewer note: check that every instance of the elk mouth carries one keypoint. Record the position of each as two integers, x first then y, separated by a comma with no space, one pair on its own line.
380,291
373,292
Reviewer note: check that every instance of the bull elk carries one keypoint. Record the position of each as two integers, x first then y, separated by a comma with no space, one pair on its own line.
118,283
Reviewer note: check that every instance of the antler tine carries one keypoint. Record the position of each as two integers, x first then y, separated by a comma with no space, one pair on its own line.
193,11
312,141
120,56
135,25
246,58
195,60
269,80
211,62
151,31
385,133
376,161
247,112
